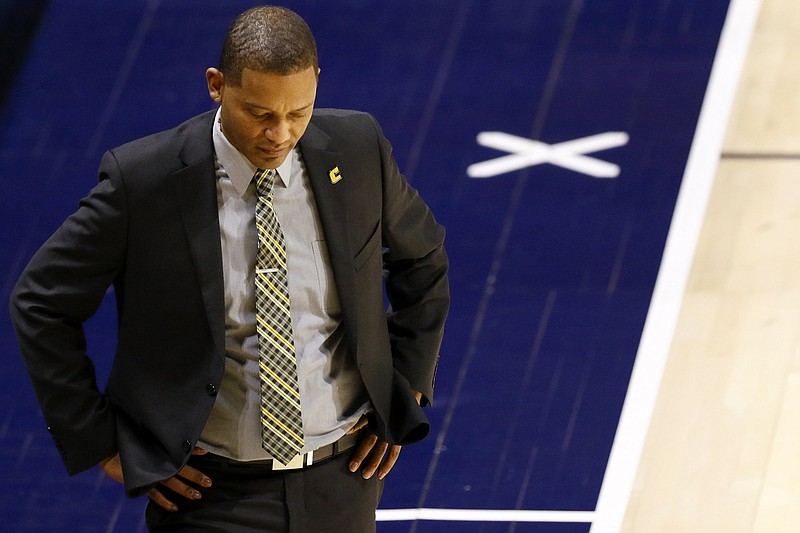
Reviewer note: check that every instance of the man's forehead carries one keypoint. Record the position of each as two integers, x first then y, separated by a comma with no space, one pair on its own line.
254,75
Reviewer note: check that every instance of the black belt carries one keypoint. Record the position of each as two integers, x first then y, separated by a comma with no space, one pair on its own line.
300,461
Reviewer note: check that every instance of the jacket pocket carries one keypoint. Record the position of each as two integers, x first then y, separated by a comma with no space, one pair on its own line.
368,250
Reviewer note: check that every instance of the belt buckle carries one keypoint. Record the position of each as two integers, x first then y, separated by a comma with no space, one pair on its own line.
297,462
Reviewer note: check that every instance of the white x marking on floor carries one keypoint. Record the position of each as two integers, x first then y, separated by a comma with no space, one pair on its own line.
528,152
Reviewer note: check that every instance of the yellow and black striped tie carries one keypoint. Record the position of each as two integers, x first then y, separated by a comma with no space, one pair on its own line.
282,425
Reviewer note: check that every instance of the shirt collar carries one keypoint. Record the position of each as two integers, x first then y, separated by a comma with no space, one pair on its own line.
238,168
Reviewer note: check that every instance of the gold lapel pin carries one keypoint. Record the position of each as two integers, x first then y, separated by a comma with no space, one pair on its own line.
335,175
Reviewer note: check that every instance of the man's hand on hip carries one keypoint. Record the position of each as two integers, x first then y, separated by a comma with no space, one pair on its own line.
113,468
371,452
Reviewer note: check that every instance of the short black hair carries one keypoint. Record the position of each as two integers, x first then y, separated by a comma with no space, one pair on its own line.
267,39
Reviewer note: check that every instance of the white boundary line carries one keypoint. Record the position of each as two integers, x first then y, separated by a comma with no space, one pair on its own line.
483,515
675,264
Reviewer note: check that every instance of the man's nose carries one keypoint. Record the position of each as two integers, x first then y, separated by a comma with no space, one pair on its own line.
278,132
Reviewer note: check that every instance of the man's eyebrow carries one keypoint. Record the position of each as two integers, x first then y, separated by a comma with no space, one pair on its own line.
258,106
304,108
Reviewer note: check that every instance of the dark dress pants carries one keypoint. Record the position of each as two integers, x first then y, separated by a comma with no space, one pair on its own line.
322,498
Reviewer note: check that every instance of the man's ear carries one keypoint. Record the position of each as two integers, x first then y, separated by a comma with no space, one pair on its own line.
216,84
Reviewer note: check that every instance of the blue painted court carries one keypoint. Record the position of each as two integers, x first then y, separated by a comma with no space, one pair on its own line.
553,269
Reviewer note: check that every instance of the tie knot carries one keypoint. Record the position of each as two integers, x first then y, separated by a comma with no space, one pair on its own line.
264,180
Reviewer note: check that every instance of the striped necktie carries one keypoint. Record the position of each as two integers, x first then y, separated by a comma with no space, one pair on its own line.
282,425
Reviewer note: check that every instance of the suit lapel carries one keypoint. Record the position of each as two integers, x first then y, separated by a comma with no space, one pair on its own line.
331,200
196,191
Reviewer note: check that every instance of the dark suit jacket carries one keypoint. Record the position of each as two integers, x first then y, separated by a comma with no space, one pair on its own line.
151,228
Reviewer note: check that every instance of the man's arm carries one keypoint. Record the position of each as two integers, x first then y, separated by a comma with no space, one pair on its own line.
417,286
58,291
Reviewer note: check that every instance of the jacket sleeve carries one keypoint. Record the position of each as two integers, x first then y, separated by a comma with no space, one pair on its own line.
58,291
416,265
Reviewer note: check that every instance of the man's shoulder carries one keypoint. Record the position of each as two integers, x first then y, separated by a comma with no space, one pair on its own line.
195,131
332,112
337,117
346,124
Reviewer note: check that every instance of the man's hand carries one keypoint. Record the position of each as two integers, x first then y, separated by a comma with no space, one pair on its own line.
371,451
113,468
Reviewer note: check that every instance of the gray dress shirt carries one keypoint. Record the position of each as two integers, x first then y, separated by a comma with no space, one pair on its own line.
332,394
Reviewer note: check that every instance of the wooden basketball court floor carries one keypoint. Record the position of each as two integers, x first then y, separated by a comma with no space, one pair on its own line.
720,451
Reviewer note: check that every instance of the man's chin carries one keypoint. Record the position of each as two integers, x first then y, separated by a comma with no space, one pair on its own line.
266,161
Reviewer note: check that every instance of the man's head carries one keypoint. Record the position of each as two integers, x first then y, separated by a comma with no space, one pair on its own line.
267,39
266,83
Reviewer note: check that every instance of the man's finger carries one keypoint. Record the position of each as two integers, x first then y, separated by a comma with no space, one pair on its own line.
389,462
160,500
363,421
181,488
195,476
362,450
375,458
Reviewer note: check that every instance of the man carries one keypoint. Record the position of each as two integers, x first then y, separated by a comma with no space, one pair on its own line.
248,249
